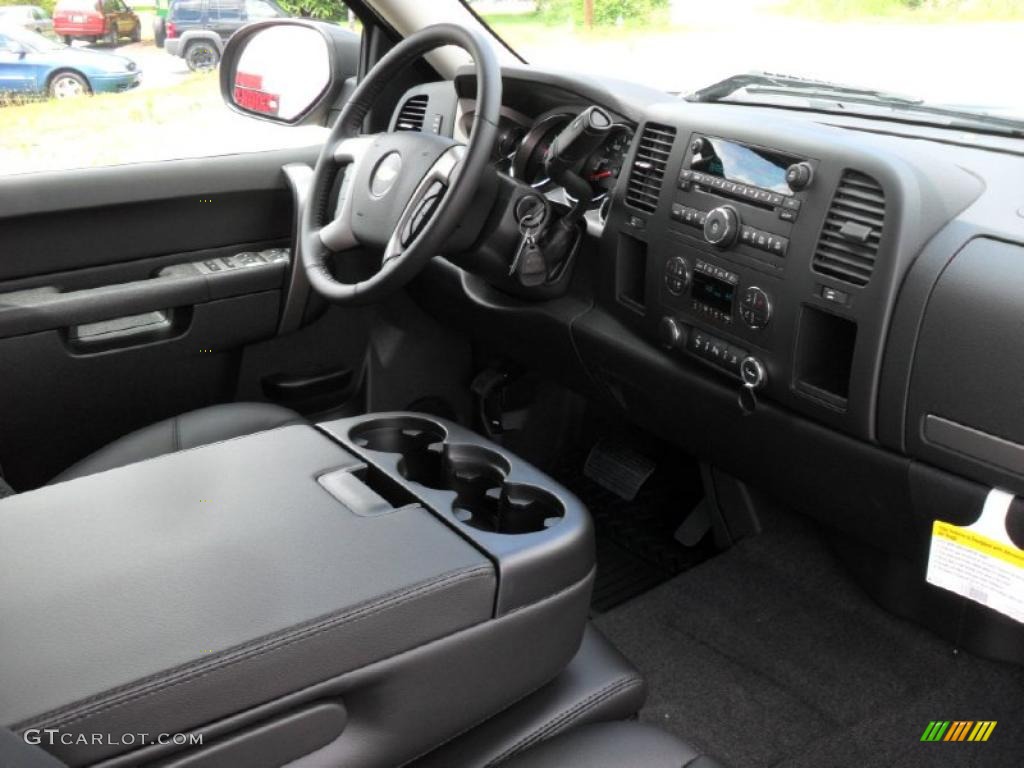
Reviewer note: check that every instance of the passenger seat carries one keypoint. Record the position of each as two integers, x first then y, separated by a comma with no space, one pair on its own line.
613,745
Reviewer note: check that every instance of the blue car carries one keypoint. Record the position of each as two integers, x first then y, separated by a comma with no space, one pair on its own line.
33,64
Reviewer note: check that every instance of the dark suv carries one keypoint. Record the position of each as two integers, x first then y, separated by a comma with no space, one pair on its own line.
198,29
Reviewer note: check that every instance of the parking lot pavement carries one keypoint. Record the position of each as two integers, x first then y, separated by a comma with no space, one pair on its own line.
159,68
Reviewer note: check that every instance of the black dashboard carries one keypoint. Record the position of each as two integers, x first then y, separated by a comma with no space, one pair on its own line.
778,291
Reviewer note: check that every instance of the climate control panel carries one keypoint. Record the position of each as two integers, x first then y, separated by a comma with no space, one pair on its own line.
714,293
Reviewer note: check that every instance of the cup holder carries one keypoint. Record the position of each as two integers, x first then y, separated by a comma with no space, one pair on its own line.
399,435
484,499
510,508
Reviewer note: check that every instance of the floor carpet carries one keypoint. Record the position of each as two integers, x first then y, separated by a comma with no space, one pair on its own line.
768,655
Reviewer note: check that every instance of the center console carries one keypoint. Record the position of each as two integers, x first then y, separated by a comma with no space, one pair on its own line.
336,587
758,261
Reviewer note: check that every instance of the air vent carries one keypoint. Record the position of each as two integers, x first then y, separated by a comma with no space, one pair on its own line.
412,114
849,240
648,169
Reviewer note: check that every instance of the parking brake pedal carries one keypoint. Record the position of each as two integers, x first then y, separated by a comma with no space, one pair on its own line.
618,468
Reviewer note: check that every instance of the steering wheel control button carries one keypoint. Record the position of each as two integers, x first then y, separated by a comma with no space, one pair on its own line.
755,308
722,226
753,373
799,175
385,174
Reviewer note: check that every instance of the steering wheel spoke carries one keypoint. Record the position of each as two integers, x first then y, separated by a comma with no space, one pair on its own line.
337,235
403,193
424,202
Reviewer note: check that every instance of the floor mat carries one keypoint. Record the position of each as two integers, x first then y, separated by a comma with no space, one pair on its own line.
768,655
636,548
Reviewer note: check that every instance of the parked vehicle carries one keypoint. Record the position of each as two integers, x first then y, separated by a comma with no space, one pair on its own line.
160,22
95,20
196,30
33,64
30,17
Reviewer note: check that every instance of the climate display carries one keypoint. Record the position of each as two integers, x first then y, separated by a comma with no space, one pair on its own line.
744,165
713,292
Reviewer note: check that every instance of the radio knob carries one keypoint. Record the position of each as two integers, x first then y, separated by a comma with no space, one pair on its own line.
753,373
722,226
799,175
670,333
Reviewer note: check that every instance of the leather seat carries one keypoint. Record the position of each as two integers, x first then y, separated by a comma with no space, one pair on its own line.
599,685
613,745
189,430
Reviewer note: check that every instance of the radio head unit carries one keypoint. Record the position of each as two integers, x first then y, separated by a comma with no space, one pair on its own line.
731,161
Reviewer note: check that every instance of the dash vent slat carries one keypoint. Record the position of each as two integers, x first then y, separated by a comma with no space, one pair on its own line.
859,200
412,114
643,190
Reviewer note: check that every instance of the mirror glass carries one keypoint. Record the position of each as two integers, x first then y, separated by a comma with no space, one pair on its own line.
281,72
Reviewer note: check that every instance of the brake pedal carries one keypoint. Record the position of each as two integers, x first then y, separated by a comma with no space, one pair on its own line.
618,468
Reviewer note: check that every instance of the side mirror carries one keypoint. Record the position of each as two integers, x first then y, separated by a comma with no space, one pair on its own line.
288,71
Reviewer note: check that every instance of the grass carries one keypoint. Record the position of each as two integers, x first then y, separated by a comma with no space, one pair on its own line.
188,119
926,11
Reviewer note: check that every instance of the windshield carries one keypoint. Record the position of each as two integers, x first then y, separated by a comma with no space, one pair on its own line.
962,56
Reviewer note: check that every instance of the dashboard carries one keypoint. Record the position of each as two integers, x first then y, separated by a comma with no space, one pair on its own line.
771,287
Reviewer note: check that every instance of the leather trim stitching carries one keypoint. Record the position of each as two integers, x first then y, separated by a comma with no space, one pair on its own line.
569,716
134,692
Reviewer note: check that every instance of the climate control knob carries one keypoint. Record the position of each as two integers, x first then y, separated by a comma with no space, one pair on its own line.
722,226
670,333
755,308
753,373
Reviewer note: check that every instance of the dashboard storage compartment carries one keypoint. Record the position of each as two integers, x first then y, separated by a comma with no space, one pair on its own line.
824,356
964,411
538,534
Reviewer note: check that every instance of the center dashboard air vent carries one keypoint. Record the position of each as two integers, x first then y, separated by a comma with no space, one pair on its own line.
849,240
648,171
412,114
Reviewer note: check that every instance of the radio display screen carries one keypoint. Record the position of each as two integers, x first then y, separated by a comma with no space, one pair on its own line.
713,292
745,165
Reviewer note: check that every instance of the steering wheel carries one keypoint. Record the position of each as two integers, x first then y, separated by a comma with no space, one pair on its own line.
404,193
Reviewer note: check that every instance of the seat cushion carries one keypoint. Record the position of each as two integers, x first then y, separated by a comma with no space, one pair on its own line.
599,685
200,427
613,745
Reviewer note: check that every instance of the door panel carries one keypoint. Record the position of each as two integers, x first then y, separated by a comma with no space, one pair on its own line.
116,309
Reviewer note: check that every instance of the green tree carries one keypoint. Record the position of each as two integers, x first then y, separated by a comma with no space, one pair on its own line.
46,5
328,10
606,12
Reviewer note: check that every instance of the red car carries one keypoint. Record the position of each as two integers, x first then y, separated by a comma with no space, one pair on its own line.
95,20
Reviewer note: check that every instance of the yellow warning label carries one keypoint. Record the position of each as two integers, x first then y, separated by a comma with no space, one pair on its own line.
978,542
980,561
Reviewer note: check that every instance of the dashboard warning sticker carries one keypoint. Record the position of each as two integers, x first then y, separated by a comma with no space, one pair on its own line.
979,561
